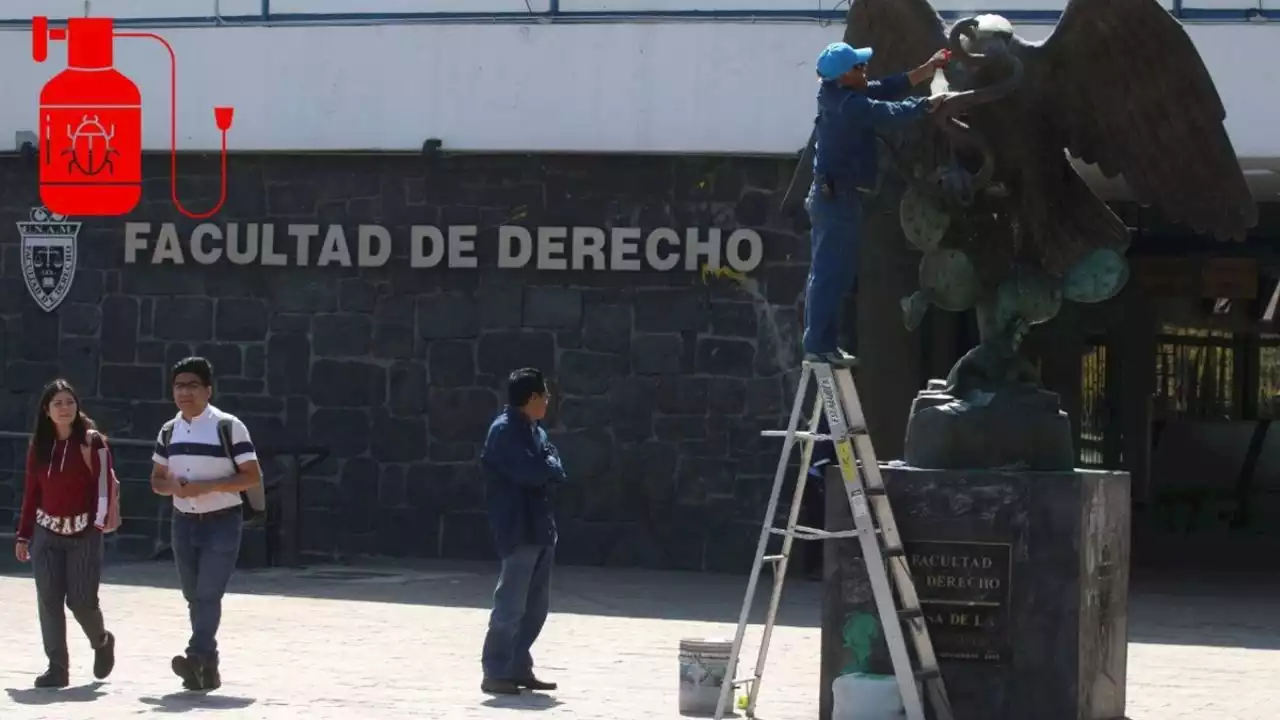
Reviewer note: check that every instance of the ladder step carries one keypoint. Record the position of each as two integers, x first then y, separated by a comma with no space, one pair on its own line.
910,614
743,681
800,532
774,558
817,437
800,435
874,492
891,552
926,674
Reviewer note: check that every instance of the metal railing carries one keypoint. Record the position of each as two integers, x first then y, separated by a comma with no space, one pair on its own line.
292,12
284,489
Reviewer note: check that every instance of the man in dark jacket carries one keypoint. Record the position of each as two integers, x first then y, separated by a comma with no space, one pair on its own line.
851,109
521,467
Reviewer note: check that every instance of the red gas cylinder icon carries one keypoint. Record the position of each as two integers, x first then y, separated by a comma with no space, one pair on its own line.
91,124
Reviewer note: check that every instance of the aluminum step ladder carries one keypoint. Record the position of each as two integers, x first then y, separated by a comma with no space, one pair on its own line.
875,529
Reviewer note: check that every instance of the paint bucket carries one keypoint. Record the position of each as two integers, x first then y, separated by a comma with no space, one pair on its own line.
861,696
703,666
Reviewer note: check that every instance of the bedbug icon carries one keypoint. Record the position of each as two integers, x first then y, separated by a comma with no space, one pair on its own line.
90,150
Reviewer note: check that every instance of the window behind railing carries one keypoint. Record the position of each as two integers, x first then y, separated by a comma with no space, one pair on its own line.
1269,376
1196,375
1094,406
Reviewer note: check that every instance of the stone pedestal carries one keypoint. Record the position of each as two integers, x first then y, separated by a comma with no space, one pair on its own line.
1024,578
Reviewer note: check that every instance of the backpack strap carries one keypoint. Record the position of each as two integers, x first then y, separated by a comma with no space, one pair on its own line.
228,448
166,434
255,498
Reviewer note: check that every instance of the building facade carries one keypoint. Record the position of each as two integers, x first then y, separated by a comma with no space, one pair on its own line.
598,197
372,307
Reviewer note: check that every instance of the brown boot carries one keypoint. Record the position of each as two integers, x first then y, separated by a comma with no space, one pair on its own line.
534,683
496,686
104,657
54,677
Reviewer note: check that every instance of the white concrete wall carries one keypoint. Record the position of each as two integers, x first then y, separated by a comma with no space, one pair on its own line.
235,10
668,86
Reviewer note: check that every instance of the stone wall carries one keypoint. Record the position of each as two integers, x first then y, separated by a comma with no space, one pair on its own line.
662,380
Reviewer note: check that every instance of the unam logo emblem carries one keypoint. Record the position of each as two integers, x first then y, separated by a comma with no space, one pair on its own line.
48,256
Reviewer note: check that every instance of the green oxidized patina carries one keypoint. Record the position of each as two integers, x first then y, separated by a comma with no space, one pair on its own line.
860,632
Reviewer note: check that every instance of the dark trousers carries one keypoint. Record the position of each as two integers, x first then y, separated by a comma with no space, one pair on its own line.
520,605
836,230
205,548
68,569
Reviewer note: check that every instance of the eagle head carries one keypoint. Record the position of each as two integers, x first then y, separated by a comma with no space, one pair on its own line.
978,43
985,35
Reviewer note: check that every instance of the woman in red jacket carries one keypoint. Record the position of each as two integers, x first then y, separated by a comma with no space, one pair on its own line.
60,529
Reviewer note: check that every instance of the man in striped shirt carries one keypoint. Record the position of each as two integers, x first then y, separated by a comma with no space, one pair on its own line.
205,478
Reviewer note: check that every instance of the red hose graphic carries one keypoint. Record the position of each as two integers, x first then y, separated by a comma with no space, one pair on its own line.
222,116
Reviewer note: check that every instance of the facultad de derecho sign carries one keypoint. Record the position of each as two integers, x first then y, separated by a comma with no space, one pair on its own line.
454,246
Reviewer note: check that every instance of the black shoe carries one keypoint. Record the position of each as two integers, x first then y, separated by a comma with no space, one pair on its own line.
210,677
534,683
839,358
494,686
104,657
189,670
54,677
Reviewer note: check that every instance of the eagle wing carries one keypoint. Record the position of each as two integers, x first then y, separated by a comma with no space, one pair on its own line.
1122,86
903,33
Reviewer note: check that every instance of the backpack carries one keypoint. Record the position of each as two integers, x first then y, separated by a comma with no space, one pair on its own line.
255,498
107,507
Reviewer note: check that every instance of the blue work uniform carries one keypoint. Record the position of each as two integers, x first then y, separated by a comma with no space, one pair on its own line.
845,164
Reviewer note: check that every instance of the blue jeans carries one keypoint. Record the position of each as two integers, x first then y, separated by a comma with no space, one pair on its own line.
520,605
205,548
837,230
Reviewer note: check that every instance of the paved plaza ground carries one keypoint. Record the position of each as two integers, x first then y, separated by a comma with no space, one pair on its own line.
373,642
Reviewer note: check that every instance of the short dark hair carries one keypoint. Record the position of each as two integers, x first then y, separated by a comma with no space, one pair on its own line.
198,366
523,384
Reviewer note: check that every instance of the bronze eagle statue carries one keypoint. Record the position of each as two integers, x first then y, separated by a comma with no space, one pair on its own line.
1006,224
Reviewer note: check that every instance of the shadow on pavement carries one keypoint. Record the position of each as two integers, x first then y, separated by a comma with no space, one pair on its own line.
523,701
700,597
78,694
181,702
1204,608
1192,608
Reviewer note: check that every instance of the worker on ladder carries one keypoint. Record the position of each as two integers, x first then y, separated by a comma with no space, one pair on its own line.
850,109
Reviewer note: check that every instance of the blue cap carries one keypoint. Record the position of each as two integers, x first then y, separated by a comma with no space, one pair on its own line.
839,58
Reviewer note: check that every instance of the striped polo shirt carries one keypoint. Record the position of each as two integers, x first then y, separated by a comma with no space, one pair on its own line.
195,454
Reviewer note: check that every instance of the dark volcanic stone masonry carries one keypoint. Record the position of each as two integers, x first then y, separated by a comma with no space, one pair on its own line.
662,380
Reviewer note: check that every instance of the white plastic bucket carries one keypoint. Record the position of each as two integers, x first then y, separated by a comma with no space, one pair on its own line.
866,697
703,666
